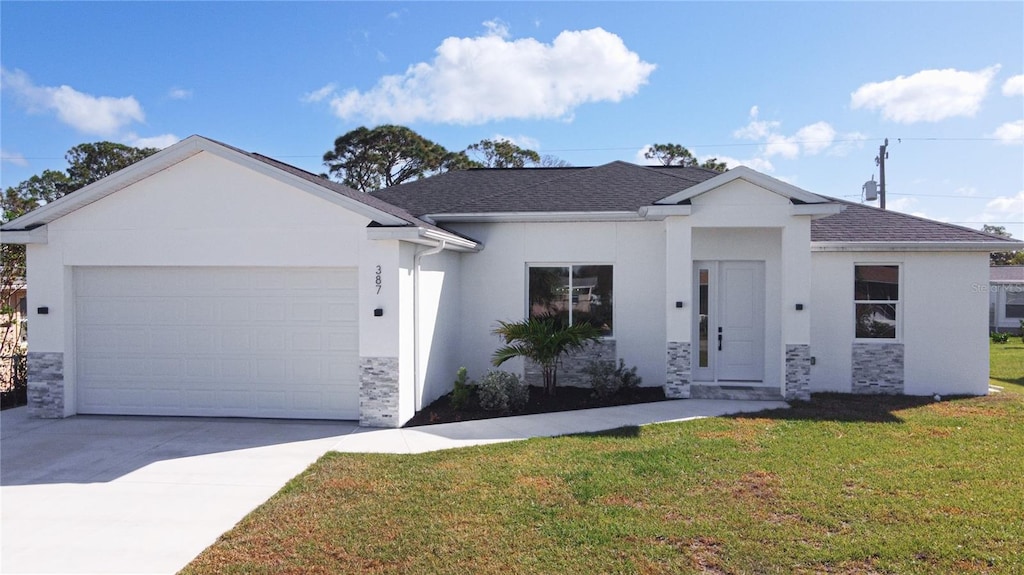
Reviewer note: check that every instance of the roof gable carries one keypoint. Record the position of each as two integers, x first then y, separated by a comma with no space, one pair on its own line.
380,212
788,191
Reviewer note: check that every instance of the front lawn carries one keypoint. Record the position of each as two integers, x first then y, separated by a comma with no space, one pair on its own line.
842,484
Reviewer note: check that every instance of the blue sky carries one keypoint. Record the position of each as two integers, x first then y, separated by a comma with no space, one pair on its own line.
805,92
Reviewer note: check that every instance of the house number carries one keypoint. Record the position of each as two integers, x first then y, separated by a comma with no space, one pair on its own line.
376,280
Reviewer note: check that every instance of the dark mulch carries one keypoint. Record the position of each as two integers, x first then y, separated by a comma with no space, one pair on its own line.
565,399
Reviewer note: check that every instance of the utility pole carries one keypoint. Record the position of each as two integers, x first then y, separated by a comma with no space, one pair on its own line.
883,154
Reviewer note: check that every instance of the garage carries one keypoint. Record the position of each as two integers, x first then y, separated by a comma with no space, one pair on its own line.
217,341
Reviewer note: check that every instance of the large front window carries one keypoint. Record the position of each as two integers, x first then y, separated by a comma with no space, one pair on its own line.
573,294
1014,302
876,291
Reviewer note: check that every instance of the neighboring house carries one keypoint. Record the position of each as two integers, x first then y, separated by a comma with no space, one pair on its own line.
1006,298
206,280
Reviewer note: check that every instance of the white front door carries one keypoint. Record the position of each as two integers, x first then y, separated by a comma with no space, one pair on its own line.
729,326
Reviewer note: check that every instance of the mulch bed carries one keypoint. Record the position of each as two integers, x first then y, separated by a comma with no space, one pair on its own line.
565,399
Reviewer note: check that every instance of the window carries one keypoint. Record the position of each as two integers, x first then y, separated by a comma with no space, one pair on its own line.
1014,302
573,294
876,292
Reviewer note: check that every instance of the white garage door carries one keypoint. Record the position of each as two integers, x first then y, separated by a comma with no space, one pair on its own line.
240,342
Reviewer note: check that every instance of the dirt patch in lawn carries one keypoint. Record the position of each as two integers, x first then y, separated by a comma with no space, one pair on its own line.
566,398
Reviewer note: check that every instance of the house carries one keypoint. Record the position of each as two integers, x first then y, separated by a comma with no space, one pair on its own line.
1006,298
210,281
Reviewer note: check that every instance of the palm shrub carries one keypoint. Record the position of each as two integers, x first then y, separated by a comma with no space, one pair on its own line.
543,340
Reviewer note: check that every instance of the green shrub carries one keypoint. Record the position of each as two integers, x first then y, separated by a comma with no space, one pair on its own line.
607,380
502,391
462,394
1000,337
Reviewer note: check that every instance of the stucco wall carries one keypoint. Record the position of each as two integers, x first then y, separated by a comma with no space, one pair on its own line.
206,211
944,320
439,324
495,281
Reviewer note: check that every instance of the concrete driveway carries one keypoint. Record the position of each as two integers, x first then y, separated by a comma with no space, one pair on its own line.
105,494
98,494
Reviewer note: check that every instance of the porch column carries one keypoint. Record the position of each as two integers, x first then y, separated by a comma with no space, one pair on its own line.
678,320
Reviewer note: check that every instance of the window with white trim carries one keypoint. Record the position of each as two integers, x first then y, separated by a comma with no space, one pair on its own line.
876,290
572,294
1014,308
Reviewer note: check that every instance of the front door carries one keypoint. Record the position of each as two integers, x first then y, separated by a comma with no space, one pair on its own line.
730,321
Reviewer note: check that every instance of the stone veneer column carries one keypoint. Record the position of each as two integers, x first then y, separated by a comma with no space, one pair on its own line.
46,384
677,378
877,368
570,367
798,372
378,392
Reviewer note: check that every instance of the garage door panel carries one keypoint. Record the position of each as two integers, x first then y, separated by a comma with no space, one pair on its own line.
217,342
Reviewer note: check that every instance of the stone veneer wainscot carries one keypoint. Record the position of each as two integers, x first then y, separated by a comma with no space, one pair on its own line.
46,384
378,392
570,367
877,368
798,372
677,377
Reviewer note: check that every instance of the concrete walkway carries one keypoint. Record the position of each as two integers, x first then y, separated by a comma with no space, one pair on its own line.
104,494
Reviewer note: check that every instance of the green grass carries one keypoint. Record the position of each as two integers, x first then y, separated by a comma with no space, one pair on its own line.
841,484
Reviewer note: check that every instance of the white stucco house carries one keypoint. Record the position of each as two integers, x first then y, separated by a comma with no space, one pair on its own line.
210,281
1006,298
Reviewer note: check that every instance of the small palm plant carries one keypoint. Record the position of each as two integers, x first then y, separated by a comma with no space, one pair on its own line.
545,341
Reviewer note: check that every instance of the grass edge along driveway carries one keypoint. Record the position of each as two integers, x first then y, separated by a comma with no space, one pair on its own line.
841,484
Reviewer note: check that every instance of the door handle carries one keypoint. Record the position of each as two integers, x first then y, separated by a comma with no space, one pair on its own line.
719,339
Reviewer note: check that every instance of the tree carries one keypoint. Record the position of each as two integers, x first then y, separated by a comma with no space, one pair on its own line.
87,163
370,159
503,154
543,340
549,161
676,155
1003,258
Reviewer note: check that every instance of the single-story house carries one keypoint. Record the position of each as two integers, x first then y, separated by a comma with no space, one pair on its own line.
206,280
1006,298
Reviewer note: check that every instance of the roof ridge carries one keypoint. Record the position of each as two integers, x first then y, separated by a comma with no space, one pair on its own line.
926,220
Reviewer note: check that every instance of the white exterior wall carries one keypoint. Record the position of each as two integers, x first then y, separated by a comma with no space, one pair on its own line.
439,324
943,320
205,211
495,285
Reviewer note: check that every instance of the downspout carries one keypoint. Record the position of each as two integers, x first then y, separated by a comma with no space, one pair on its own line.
418,398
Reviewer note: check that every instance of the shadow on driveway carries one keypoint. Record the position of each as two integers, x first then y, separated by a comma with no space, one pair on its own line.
97,448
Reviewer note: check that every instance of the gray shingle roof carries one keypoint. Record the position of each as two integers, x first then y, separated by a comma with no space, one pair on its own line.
1013,274
618,186
860,223
621,186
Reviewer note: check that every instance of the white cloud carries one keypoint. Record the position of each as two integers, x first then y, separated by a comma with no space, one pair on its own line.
160,142
497,27
847,143
1014,86
476,80
320,94
525,142
179,94
810,140
1010,133
96,115
816,137
927,96
13,158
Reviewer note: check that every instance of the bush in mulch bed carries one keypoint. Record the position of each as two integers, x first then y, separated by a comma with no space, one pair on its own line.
566,398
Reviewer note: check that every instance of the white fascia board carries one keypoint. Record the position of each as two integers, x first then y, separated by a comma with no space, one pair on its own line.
33,236
497,217
423,236
911,247
660,212
754,177
817,210
98,190
173,155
